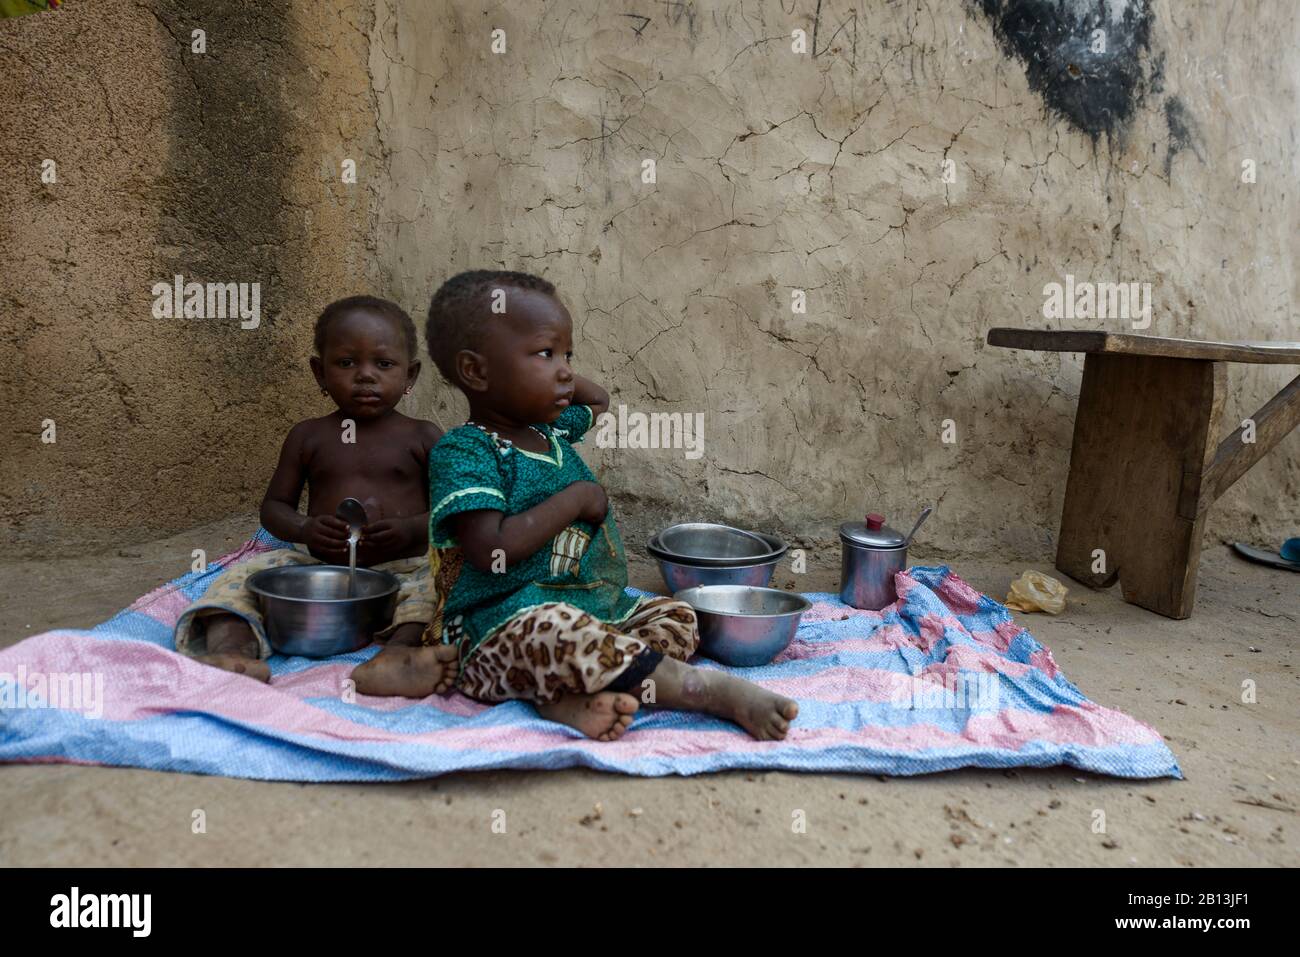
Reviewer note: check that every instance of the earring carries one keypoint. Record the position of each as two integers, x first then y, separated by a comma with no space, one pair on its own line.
408,390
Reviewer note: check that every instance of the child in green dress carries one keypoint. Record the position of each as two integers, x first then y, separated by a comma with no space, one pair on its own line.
527,559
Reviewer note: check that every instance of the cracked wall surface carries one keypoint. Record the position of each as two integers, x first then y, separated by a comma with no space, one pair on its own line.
822,172
221,166
775,172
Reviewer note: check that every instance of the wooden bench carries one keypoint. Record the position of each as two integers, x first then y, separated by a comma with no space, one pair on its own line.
1146,465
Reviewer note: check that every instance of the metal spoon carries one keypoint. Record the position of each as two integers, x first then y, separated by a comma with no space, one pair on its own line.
354,513
925,513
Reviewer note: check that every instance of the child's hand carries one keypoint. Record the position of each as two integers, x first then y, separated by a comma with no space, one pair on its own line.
326,535
595,503
391,536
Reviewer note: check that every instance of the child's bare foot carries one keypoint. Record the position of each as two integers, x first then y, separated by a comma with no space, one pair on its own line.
764,714
232,646
604,715
400,671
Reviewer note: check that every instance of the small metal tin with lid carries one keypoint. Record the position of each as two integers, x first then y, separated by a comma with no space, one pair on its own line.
871,554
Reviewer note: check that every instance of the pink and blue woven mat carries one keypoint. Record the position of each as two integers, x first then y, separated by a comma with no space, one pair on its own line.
943,679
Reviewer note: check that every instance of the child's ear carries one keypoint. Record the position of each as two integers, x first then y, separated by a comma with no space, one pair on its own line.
318,370
412,373
472,369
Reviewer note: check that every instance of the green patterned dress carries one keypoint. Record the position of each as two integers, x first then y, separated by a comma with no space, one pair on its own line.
584,565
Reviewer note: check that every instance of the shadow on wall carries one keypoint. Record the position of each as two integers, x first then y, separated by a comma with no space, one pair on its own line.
224,215
177,153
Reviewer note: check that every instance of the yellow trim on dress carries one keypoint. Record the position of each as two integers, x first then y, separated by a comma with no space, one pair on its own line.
557,459
466,491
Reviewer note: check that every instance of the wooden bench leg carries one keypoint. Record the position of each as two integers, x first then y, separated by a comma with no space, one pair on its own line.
1235,456
1144,432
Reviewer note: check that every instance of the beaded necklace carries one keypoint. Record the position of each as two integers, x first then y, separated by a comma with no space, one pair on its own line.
505,445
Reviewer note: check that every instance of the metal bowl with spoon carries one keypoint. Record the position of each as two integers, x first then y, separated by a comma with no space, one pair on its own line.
323,610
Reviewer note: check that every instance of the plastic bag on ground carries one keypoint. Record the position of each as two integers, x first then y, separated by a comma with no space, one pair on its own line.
1034,591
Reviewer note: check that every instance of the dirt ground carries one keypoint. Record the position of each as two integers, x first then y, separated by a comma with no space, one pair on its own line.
1238,805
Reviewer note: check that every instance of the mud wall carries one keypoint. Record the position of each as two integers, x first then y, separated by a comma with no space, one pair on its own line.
920,172
221,166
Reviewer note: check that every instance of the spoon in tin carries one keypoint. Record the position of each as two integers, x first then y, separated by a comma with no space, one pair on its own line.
354,513
925,513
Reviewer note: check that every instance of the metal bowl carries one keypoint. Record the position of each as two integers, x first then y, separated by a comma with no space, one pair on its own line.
744,626
699,545
678,576
307,611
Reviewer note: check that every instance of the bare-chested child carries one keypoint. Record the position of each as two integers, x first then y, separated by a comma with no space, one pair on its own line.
524,548
366,360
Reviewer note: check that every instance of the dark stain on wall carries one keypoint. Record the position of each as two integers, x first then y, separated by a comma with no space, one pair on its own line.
228,216
1096,90
1183,133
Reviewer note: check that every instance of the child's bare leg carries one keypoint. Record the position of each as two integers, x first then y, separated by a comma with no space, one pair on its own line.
232,646
764,714
604,715
405,668
409,635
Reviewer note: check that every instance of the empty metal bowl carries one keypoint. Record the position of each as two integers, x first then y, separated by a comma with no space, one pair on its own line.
703,543
306,610
744,626
677,575
776,548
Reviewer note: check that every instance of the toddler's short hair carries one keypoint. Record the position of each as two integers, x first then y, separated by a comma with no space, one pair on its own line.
389,310
457,310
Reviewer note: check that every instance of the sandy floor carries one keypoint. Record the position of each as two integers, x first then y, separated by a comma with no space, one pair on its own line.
1237,806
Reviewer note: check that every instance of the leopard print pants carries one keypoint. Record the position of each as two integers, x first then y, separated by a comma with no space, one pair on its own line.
551,650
